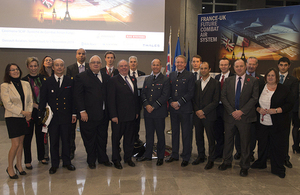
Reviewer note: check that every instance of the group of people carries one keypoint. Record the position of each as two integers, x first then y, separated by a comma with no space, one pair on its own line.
234,109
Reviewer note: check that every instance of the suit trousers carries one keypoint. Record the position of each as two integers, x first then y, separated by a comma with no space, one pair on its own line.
73,137
57,132
94,135
125,129
183,120
200,124
271,141
245,132
252,140
39,138
219,131
153,125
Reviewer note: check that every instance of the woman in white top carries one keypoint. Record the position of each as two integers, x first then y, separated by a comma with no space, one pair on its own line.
274,105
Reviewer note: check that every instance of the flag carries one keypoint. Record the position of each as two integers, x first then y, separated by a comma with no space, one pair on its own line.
226,42
169,58
177,53
188,60
241,41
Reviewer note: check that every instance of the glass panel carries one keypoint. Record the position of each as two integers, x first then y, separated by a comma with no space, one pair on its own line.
274,3
289,3
226,1
207,1
222,8
207,9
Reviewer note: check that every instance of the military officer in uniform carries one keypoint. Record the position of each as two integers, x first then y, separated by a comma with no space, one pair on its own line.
155,94
57,91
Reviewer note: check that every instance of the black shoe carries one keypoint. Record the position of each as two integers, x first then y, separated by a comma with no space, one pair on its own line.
130,163
256,165
92,166
29,168
118,165
52,170
138,142
281,175
252,159
21,173
171,159
143,159
237,156
12,177
288,164
224,166
184,163
159,162
244,172
209,165
70,167
198,161
45,162
107,164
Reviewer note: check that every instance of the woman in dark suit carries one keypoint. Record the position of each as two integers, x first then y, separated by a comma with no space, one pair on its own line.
274,105
35,80
295,116
16,96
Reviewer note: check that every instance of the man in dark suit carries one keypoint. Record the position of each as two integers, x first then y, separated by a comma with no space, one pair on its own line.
224,65
155,94
72,71
109,69
182,92
239,96
205,102
196,62
57,91
90,96
251,65
292,83
135,73
123,110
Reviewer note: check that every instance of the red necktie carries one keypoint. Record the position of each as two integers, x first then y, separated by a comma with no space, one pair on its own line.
222,81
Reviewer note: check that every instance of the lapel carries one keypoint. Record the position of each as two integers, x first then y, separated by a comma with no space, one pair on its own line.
206,87
53,82
287,80
13,89
181,75
246,83
76,69
96,79
123,83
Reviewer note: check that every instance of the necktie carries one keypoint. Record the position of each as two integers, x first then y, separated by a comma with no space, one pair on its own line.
128,84
195,75
222,81
154,77
109,71
238,94
58,83
281,79
81,68
178,74
133,74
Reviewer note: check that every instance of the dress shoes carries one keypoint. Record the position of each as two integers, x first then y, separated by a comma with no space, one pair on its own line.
288,164
107,164
224,166
209,165
256,165
130,163
12,177
244,172
44,162
237,156
138,142
118,165
198,161
21,173
92,166
52,170
184,163
70,167
159,162
143,159
171,159
29,167
281,175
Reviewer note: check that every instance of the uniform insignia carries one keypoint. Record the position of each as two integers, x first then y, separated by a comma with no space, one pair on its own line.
145,87
52,91
71,77
44,79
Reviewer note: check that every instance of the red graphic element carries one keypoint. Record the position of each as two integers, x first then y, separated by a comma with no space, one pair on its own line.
226,42
248,79
136,36
48,3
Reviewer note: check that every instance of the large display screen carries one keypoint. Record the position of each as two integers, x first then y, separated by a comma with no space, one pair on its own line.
127,25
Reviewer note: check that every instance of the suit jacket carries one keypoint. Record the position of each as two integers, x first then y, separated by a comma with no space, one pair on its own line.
280,98
261,79
90,94
59,99
156,94
140,73
122,103
208,99
12,101
248,99
182,90
217,77
115,71
73,69
292,83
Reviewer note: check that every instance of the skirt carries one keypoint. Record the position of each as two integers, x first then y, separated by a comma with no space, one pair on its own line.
16,127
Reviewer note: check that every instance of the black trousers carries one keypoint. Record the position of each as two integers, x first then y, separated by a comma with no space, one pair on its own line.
295,132
39,138
200,125
73,137
219,131
271,139
153,125
125,130
57,132
94,135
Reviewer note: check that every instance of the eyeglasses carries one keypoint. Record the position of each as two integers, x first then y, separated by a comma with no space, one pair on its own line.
12,70
94,62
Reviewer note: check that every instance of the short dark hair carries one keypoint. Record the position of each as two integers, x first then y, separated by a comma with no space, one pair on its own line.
197,56
284,59
239,60
110,52
206,63
224,58
276,74
7,77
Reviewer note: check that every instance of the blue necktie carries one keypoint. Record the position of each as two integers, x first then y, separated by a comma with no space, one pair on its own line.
238,94
281,79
